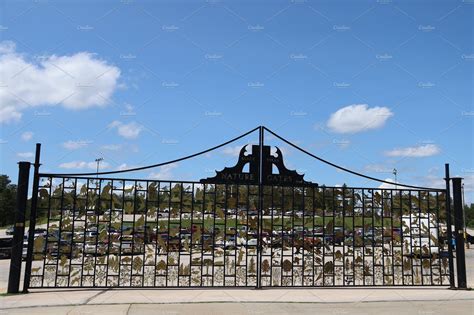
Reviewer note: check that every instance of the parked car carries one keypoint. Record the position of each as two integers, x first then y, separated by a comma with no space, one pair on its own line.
101,249
62,248
130,246
41,232
6,247
25,247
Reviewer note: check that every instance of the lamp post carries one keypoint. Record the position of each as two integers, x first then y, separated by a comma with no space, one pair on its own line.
98,160
394,172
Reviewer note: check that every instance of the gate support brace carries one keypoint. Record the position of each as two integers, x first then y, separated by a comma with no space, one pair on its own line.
459,232
19,227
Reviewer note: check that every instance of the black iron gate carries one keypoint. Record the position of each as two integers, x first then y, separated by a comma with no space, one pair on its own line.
238,229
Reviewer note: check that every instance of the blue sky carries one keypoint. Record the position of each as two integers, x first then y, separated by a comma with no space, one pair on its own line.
369,85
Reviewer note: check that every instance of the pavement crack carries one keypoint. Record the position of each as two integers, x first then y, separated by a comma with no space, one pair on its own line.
96,295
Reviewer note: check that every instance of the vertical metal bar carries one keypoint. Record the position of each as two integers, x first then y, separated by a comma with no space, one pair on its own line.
283,224
343,234
46,251
87,205
201,241
31,231
411,247
392,241
292,235
19,228
313,251
260,203
247,235
428,196
109,231
156,233
419,237
214,210
438,244
383,234
169,235
374,245
97,208
180,209
353,267
459,228
146,232
270,237
324,237
449,227
213,248
333,258
122,210
303,196
224,209
190,235
402,236
237,247
364,210
71,246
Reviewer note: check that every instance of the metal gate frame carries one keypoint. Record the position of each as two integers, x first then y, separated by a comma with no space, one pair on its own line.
263,180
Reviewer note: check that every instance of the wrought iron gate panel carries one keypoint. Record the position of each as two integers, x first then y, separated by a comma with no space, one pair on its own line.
343,236
99,232
142,233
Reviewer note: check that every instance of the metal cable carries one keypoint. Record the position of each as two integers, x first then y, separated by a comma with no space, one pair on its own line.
345,169
159,164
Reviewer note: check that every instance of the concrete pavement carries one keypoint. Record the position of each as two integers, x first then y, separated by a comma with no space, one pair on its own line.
410,300
178,300
395,308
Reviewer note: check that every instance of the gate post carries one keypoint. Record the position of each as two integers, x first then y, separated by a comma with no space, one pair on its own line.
19,227
31,231
459,228
449,233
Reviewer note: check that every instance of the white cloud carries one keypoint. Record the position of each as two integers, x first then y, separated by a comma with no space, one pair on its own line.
74,145
418,151
25,155
83,164
27,136
378,168
111,147
390,186
122,167
235,150
128,131
76,81
125,166
357,118
165,172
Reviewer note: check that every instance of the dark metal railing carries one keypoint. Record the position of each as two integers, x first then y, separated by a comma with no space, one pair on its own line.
142,233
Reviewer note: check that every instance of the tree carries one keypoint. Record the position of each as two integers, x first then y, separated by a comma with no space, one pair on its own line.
469,211
7,201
